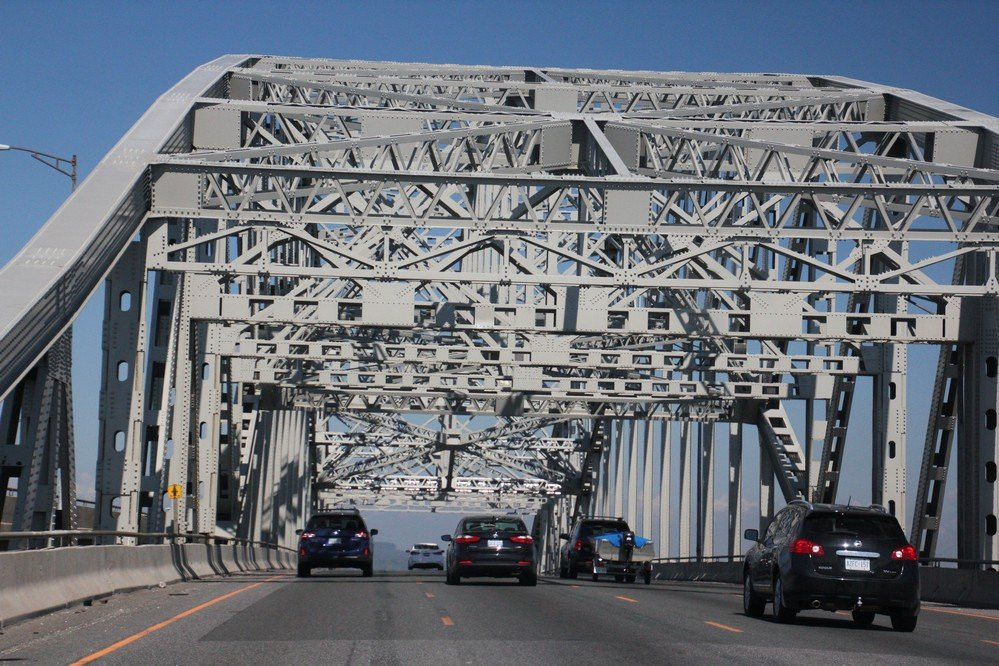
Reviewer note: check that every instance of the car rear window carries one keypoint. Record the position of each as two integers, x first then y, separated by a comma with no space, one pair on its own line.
589,529
425,546
335,523
494,525
853,525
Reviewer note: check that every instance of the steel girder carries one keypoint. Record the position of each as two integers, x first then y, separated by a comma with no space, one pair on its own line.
546,265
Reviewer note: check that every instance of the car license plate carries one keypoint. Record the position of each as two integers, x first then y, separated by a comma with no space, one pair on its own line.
332,542
853,564
495,543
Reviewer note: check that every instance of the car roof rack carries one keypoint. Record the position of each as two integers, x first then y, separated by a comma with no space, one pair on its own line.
602,518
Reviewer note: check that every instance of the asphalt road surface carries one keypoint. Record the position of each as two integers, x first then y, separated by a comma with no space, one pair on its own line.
341,618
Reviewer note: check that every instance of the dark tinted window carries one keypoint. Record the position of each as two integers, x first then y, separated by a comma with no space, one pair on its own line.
587,530
494,525
342,522
853,525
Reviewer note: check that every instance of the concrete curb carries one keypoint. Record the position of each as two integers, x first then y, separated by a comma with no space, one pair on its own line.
34,582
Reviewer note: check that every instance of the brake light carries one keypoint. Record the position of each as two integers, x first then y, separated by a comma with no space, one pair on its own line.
522,538
806,547
301,551
308,535
906,553
362,535
524,563
464,561
466,538
579,544
367,552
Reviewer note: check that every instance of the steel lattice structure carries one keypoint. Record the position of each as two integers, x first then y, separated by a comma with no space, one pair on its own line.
408,285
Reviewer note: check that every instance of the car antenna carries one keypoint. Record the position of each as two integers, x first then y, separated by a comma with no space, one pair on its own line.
849,500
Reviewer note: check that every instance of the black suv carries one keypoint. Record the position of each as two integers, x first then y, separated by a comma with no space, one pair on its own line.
576,554
833,557
335,539
493,546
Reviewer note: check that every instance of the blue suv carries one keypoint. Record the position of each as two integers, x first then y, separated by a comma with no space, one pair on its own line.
335,539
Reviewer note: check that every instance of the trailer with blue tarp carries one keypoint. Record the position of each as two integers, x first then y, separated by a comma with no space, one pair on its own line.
624,555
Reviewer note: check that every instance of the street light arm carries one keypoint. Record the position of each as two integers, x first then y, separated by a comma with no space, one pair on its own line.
56,162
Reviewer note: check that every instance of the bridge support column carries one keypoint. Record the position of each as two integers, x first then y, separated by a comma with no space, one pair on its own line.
665,458
37,446
686,488
766,492
633,487
647,489
705,489
735,488
978,432
889,437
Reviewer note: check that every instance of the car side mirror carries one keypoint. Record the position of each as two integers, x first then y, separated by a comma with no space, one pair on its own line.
445,537
374,532
299,532
751,535
563,535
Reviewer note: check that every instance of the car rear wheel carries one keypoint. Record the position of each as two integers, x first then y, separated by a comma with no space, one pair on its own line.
563,570
572,571
903,622
367,571
863,618
752,603
781,611
629,579
452,578
529,580
304,571
596,578
648,577
618,579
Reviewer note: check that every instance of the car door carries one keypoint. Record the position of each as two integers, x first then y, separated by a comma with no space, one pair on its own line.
765,564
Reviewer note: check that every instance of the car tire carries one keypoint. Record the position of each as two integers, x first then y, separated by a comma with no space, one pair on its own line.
863,619
563,570
630,579
452,579
304,571
903,622
781,611
367,571
528,580
596,578
618,578
647,576
753,604
573,572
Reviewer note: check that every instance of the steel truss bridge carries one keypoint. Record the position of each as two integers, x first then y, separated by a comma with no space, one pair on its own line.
396,285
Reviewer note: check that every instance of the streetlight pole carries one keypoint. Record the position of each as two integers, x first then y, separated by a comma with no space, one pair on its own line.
49,389
49,160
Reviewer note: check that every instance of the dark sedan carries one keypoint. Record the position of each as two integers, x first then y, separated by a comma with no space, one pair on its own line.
491,546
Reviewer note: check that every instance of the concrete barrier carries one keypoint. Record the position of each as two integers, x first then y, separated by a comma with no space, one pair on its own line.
964,587
33,582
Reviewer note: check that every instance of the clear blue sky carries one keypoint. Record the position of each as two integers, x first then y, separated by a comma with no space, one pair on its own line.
74,76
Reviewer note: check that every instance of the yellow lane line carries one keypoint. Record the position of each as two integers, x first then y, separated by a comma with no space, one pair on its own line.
575,587
448,622
430,595
994,618
990,642
628,599
723,626
165,623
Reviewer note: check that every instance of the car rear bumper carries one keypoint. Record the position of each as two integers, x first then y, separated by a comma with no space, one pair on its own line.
324,560
426,565
494,569
896,595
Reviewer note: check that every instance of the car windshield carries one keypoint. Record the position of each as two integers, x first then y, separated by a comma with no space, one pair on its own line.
425,546
590,529
350,523
853,525
494,525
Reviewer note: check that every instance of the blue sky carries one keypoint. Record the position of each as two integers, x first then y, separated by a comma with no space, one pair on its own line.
74,76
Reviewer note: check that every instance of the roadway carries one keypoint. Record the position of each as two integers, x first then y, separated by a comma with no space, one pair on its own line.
339,618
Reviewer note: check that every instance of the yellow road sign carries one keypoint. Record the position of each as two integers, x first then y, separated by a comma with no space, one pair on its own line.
174,491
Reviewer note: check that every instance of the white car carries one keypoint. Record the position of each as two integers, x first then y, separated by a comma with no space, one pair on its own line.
426,556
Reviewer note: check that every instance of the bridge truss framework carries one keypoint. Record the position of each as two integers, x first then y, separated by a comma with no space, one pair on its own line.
405,285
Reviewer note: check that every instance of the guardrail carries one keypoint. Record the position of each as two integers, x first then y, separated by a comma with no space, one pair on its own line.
162,537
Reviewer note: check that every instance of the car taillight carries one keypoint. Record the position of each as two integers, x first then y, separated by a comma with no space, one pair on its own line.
466,538
579,544
522,538
464,561
367,552
524,563
362,535
806,547
308,535
906,553
301,551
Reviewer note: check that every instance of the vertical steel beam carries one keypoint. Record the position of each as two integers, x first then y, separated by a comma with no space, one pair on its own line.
633,458
889,437
686,488
735,488
647,489
665,490
705,489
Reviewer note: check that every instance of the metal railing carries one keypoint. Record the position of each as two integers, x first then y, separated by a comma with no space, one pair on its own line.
924,561
92,536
